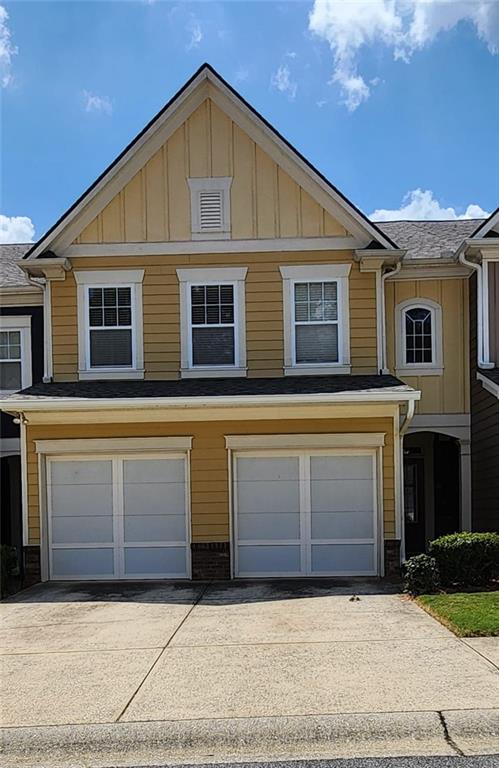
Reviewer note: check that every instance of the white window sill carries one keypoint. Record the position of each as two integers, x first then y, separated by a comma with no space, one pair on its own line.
211,373
317,370
415,371
111,373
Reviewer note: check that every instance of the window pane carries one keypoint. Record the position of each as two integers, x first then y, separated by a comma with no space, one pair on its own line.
212,294
95,297
10,376
418,335
124,297
4,338
14,352
110,316
301,291
226,314
315,290
316,343
110,296
212,314
124,316
197,294
213,346
95,316
198,314
111,348
227,294
4,352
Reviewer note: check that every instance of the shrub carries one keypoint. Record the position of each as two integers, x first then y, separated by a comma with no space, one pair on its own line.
469,559
421,576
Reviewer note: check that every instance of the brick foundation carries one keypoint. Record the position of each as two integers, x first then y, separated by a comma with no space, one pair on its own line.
31,571
392,558
210,560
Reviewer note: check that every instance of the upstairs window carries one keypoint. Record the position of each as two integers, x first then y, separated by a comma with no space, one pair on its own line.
316,322
212,325
212,321
316,319
419,338
110,326
15,353
210,208
110,323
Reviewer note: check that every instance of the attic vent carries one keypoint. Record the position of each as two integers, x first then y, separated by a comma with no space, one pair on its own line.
210,208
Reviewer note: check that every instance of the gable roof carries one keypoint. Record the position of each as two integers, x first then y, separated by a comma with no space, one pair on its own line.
485,227
430,239
11,276
204,75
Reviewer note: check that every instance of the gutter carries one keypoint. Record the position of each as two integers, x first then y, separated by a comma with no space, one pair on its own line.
25,405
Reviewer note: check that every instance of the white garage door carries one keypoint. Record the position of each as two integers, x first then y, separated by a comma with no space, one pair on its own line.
117,517
308,514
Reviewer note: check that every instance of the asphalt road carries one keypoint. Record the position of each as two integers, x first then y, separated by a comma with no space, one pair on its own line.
489,761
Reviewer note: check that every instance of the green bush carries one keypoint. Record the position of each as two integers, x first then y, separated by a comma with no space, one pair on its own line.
421,576
468,559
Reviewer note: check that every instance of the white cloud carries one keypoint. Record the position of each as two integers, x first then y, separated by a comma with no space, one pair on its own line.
193,27
404,26
7,49
282,81
242,75
421,205
16,229
94,103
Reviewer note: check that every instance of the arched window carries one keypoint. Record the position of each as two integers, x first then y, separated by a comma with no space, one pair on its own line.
419,337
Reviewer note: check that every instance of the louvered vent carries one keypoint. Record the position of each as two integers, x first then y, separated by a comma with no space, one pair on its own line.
211,210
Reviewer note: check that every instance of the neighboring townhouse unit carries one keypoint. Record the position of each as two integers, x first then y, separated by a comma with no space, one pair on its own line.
234,355
480,250
21,364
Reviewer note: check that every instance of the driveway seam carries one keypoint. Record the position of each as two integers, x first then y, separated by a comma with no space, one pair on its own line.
464,642
195,603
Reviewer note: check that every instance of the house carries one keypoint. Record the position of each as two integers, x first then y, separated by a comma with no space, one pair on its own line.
480,250
21,364
236,361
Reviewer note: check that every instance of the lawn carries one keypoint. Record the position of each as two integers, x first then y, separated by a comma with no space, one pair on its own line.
468,614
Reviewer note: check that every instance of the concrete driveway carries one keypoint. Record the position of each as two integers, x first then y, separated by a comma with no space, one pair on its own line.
102,653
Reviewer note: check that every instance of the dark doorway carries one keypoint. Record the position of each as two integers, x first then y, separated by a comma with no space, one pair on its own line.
431,488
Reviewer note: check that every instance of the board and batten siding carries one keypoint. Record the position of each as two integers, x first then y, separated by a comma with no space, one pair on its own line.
449,392
155,204
209,462
264,310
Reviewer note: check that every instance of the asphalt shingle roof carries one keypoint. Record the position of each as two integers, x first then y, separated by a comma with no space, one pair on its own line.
283,385
10,274
429,239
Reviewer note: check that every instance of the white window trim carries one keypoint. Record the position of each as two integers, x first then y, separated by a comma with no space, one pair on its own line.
21,323
316,273
219,184
107,278
234,276
436,367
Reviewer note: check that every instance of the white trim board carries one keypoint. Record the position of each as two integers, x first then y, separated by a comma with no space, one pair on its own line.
113,445
297,441
488,384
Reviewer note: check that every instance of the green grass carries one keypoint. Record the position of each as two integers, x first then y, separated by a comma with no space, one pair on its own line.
468,614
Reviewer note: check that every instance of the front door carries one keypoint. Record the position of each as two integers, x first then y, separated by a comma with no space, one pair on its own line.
415,534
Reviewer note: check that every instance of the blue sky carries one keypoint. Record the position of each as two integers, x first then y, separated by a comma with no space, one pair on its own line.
397,103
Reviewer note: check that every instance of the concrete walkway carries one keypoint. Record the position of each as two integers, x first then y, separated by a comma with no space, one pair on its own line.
89,654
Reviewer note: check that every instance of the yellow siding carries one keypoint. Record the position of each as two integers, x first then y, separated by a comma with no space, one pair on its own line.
209,462
448,393
155,205
264,311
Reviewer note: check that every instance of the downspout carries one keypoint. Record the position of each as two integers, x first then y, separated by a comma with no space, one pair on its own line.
482,319
389,273
20,419
411,406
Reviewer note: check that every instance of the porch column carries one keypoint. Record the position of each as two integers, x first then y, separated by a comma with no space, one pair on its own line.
465,460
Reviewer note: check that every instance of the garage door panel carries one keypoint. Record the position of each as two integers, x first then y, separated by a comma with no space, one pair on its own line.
341,495
255,559
82,530
274,469
81,500
153,471
342,525
155,561
156,498
82,563
269,525
81,472
278,496
341,467
343,558
154,528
